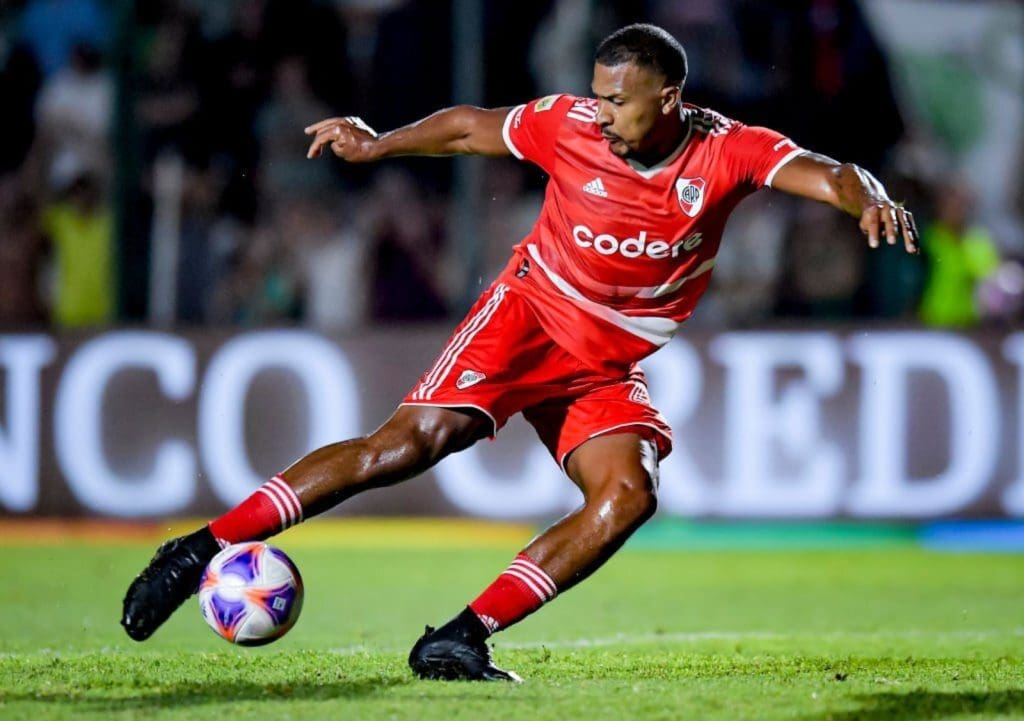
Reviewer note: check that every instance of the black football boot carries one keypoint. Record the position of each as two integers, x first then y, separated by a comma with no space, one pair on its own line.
169,579
457,650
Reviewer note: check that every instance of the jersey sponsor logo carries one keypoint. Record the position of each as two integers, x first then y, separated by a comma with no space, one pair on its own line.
545,103
518,119
608,244
596,187
690,192
693,241
584,110
468,378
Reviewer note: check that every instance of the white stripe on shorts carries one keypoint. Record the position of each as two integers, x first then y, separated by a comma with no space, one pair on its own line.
459,343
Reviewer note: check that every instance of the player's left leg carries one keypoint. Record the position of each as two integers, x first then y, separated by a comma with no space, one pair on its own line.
618,476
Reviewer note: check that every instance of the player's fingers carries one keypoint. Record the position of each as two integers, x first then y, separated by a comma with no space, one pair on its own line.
314,148
911,240
887,216
888,213
317,127
317,146
869,224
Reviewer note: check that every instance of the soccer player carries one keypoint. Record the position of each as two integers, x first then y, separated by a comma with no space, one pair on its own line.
641,185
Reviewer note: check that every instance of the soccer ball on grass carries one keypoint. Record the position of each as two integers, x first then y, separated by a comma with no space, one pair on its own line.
250,594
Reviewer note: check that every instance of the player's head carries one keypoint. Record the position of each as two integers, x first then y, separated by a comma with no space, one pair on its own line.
639,71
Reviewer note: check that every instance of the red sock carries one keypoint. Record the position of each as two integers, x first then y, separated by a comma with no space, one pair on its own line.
271,509
515,594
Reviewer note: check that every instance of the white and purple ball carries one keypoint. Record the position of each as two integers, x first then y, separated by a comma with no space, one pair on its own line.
251,594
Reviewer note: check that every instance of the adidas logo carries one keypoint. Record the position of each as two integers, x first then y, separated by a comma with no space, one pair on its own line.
489,621
639,394
468,378
596,187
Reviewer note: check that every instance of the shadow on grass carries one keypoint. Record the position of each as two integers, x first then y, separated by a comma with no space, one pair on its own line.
925,705
199,693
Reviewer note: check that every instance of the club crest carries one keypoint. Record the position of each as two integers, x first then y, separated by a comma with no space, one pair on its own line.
469,378
690,192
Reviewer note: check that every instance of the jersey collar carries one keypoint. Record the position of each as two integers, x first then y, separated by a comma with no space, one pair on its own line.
649,172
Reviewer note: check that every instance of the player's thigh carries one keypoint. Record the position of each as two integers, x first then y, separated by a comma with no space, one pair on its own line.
605,408
433,432
498,361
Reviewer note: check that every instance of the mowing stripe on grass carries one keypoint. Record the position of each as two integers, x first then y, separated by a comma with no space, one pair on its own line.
698,636
625,639
686,637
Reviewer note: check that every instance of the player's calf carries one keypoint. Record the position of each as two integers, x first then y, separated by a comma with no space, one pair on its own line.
412,440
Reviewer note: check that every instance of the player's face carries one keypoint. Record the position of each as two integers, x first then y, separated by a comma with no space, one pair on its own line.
632,103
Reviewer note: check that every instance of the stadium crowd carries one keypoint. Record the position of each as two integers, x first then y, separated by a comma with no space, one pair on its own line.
104,101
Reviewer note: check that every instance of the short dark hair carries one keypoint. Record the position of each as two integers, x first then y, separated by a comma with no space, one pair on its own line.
647,46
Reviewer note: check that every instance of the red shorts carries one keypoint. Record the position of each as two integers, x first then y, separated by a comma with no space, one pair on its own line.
500,361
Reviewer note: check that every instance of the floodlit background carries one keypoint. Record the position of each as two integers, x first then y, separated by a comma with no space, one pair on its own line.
187,303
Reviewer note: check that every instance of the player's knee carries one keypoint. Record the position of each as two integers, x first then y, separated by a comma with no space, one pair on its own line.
431,437
416,442
643,503
632,500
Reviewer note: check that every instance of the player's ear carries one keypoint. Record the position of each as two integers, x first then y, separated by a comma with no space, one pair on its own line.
670,99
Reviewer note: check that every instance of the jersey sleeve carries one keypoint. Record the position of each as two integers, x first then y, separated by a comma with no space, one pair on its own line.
756,154
531,130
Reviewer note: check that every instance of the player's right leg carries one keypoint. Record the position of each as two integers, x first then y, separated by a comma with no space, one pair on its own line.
618,475
410,442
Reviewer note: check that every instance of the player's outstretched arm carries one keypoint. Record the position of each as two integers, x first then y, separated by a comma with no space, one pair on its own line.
853,190
461,130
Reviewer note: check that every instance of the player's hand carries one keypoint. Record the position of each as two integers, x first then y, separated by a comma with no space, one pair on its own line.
349,138
891,220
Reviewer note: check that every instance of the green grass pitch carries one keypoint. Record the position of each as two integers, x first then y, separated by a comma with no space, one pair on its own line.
808,635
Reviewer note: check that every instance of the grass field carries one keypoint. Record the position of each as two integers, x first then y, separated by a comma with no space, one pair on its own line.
899,633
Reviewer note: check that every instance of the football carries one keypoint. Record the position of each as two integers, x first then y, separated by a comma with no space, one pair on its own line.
251,594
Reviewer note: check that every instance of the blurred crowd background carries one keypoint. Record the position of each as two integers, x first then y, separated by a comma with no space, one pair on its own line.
153,169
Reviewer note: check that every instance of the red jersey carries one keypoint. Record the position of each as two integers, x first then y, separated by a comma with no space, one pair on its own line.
621,253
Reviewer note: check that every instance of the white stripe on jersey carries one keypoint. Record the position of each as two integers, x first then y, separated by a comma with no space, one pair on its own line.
582,117
778,166
656,291
506,127
584,110
653,329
